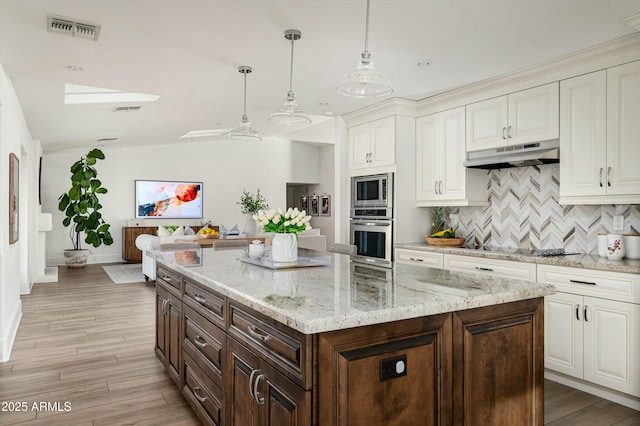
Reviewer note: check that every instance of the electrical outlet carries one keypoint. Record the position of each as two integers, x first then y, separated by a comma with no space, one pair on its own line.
618,223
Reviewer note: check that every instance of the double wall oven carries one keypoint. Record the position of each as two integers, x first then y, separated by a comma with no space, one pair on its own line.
372,218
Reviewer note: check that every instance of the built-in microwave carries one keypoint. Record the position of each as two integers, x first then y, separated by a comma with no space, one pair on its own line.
372,191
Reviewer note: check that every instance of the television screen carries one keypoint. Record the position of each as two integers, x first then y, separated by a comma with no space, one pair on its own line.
168,199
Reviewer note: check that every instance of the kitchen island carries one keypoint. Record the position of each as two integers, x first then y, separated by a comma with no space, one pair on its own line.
344,343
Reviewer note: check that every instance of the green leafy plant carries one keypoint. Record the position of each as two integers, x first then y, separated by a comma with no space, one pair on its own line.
250,203
81,205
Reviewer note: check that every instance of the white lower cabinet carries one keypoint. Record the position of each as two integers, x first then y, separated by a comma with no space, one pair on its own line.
494,267
596,339
426,259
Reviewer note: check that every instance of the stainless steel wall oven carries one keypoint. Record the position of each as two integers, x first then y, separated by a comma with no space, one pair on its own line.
372,219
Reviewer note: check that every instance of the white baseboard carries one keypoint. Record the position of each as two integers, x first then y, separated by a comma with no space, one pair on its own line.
606,393
50,275
7,343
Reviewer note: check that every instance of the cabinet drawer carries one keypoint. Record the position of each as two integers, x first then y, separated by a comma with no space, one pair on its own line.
420,258
282,346
206,302
206,399
171,278
204,343
588,282
494,267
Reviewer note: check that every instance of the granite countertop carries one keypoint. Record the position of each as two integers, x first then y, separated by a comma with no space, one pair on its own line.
344,294
584,261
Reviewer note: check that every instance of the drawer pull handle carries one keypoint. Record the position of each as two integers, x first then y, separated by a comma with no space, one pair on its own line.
199,298
601,177
504,135
259,399
199,341
582,282
585,313
255,334
416,259
198,397
609,176
484,269
166,277
578,312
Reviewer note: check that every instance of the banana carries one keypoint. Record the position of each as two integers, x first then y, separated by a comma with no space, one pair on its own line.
441,234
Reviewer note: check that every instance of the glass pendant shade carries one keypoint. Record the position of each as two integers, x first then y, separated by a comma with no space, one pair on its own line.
365,81
244,131
290,114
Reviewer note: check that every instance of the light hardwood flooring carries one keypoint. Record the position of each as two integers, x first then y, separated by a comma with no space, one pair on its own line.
90,342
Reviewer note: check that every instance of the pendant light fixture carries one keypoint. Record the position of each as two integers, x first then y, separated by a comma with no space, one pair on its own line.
290,114
365,81
244,130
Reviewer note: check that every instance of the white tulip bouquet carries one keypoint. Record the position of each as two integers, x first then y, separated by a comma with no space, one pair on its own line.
292,221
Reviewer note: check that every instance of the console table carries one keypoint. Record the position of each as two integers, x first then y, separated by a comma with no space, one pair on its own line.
130,252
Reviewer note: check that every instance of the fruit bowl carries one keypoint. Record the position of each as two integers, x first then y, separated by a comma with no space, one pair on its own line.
205,236
445,242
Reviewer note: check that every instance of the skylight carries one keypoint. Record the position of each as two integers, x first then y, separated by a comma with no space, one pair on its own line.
78,94
204,133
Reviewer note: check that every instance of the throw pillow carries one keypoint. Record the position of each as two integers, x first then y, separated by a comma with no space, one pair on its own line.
179,231
189,231
162,232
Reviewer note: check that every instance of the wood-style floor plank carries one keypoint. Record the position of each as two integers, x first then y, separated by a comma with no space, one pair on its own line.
90,342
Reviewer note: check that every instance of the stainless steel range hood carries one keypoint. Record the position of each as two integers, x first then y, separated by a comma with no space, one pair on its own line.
531,154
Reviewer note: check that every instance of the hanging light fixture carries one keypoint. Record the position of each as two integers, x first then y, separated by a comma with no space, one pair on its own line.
244,130
290,114
365,81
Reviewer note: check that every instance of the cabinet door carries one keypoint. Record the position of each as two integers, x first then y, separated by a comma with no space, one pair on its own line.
285,403
487,124
533,115
583,141
498,354
563,333
359,147
612,344
242,371
173,318
623,140
427,154
161,323
452,155
389,374
382,142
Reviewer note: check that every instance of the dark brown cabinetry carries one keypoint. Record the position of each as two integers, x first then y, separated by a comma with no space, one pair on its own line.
239,367
168,317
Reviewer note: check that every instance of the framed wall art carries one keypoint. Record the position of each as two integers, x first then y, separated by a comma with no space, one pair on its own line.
304,203
315,208
14,200
325,205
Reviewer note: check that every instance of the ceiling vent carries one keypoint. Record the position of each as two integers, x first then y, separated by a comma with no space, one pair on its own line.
127,108
69,26
106,139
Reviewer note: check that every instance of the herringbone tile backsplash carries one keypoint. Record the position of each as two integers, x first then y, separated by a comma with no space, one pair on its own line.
523,212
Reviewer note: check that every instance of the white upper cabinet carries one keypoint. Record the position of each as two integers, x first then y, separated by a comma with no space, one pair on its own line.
441,179
600,137
372,144
518,118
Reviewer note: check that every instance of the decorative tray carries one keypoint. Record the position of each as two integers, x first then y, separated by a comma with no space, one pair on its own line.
302,262
445,242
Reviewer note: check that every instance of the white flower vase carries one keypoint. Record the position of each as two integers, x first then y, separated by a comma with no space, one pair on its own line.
284,248
250,226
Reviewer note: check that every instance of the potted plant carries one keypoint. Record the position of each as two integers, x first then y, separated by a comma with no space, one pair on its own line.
82,209
250,204
285,226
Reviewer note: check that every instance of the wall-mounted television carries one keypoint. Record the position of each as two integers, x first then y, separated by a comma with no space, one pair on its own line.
168,199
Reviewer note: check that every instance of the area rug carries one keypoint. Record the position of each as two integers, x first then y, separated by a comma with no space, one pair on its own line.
126,273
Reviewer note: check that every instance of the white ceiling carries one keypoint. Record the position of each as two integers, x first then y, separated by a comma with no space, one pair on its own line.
188,51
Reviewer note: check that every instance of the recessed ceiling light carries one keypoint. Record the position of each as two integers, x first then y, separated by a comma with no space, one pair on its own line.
329,113
424,63
75,68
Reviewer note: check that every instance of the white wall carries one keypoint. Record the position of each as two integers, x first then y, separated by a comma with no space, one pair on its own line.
224,167
14,258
